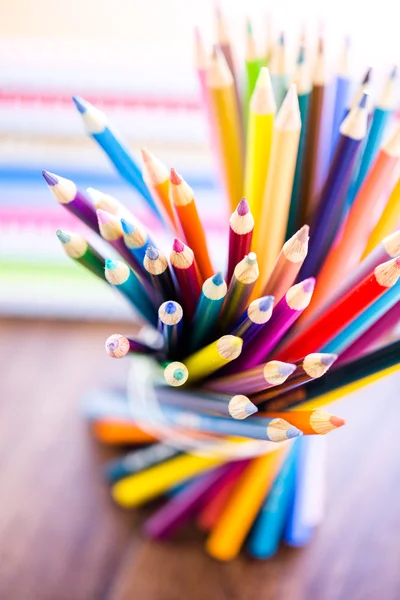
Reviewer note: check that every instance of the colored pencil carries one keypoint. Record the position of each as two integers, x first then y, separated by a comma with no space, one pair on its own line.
288,264
354,330
278,70
335,318
381,118
238,407
176,374
136,238
117,432
170,315
213,357
139,488
318,144
224,43
241,225
209,306
267,531
122,277
275,209
185,206
246,499
156,177
260,129
97,126
374,334
187,276
388,221
254,318
239,291
174,513
342,91
302,80
332,201
313,366
77,248
111,230
138,460
215,503
343,380
308,506
253,63
67,194
309,422
346,254
290,307
251,381
118,346
226,119
156,265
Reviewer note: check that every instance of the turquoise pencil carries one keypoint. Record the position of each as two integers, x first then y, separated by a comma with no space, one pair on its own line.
208,309
268,528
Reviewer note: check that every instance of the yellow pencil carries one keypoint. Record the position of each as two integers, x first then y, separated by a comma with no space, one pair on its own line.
137,489
242,506
259,141
388,221
271,231
213,357
221,89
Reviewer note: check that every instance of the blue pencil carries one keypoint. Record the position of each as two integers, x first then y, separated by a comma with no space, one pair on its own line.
268,528
97,126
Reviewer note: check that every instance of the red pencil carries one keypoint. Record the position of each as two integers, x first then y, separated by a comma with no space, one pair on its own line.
241,225
333,320
187,276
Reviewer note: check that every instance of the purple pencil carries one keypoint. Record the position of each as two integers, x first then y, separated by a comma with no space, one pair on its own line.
379,330
118,345
256,315
67,194
288,309
178,510
251,381
332,202
241,225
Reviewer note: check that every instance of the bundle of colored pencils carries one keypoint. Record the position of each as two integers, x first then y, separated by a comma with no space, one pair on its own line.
311,284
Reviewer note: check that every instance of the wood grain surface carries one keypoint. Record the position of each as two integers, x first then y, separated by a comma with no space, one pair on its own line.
61,538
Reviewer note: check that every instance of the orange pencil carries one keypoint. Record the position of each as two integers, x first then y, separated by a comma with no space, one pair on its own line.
310,422
183,199
119,432
156,177
346,253
231,529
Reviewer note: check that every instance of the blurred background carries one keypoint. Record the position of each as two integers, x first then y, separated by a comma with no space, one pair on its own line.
61,536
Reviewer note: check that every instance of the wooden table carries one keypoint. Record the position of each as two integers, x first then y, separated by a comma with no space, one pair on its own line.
61,537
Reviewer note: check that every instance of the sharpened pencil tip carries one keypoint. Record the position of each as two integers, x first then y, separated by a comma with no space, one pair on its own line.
367,77
152,253
302,55
63,236
286,369
251,258
337,421
328,359
249,27
111,264
80,104
266,303
364,100
293,432
393,72
177,245
243,207
175,178
303,234
217,279
127,227
281,39
308,285
51,178
103,216
170,307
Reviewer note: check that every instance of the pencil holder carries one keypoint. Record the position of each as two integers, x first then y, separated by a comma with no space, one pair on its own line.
230,378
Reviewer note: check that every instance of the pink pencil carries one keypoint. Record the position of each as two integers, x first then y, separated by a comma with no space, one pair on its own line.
241,225
187,275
